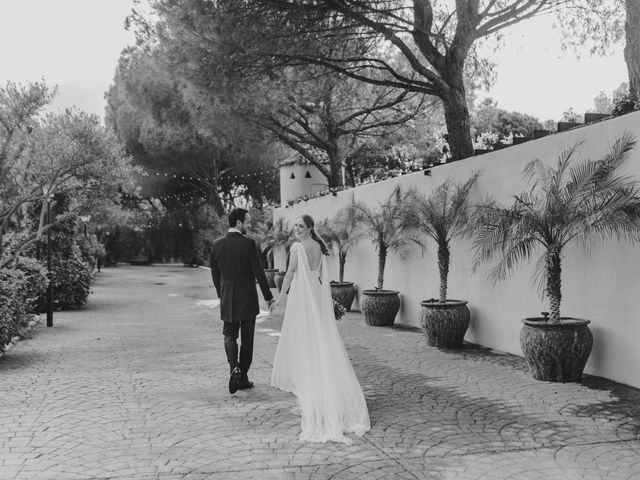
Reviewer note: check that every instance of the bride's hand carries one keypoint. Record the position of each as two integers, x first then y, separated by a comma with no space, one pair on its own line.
273,305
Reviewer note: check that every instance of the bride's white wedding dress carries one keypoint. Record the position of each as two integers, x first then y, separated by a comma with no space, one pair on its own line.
312,363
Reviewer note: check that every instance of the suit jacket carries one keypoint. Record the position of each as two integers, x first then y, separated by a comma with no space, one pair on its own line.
235,266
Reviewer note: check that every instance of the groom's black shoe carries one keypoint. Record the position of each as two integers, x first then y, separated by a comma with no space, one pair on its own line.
234,380
245,384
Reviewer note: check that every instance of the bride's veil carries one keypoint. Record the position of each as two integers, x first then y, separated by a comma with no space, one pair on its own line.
321,373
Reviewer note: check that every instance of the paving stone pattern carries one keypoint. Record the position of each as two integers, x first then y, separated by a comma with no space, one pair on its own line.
134,386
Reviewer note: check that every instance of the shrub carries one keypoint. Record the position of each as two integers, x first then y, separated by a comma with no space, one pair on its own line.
202,243
71,278
35,281
91,250
625,104
12,308
70,273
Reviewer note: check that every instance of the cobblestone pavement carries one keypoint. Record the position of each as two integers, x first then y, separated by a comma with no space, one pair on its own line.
134,385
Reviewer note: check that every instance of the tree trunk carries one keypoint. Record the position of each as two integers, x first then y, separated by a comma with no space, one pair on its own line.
456,114
382,260
632,47
351,180
554,271
213,198
335,167
335,178
443,269
342,258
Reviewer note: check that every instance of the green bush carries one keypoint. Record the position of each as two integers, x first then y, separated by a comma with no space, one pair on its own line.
71,277
625,104
202,229
70,273
91,250
35,282
12,306
202,243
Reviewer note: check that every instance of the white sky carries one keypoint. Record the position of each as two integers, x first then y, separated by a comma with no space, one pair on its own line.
75,44
535,76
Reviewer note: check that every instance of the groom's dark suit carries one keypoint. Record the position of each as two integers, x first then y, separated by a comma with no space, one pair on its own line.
235,266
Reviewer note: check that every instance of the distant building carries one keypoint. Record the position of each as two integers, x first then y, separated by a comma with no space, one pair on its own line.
298,177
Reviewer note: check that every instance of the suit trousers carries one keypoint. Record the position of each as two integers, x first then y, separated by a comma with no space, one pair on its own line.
246,329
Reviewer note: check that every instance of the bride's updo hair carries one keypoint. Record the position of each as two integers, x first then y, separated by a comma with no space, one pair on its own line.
309,222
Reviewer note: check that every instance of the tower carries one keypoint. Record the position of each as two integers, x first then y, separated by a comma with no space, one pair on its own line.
298,177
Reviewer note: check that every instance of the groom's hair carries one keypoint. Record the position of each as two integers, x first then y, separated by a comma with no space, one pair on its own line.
237,214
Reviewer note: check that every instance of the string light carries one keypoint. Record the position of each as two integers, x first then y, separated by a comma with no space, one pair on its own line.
190,195
237,176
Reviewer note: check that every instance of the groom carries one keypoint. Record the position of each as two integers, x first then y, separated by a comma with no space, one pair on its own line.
235,267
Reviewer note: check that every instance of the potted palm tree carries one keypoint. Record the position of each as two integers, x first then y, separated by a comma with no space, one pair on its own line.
385,228
341,234
443,216
585,202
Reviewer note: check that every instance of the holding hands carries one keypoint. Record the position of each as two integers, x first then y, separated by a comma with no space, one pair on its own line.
275,303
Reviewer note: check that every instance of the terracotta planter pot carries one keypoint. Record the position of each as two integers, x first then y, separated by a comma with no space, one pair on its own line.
278,278
556,352
343,293
380,307
270,272
444,324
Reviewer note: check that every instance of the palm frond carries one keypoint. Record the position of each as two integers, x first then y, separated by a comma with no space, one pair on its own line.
513,254
493,228
443,214
539,276
580,179
618,214
535,170
617,154
341,232
385,225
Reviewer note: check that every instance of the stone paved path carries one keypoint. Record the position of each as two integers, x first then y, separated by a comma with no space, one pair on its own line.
134,386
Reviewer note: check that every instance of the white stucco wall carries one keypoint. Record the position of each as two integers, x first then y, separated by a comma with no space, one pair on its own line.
291,188
599,285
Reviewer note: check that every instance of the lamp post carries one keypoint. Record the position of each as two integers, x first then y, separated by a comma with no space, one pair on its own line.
50,286
85,219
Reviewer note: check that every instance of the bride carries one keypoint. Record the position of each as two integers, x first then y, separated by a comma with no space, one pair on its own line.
311,360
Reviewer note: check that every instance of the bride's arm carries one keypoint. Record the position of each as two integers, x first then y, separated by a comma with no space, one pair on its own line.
288,278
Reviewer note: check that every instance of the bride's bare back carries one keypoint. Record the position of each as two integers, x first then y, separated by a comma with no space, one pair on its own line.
313,251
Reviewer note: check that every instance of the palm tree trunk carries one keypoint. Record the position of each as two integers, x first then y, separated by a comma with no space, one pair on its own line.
443,268
342,258
554,271
382,260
